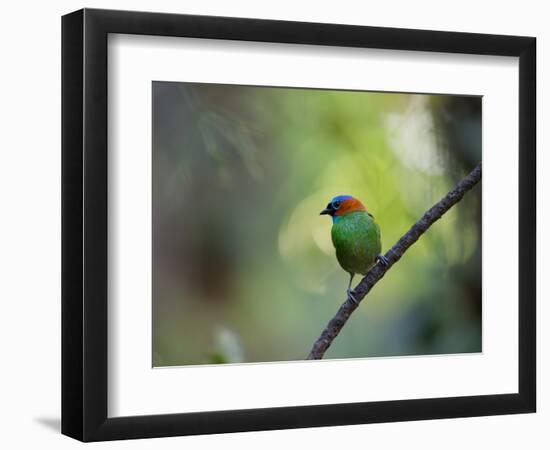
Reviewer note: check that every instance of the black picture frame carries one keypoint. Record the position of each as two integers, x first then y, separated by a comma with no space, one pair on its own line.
84,224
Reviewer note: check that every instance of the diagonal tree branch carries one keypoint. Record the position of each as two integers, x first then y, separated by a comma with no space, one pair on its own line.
393,255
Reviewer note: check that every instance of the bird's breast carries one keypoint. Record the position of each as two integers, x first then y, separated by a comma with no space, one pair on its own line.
356,238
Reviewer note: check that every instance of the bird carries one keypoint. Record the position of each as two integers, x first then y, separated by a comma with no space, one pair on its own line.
355,236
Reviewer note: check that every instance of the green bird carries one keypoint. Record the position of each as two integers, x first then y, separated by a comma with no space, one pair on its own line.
356,237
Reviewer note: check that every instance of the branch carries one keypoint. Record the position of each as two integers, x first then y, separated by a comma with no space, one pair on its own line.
335,325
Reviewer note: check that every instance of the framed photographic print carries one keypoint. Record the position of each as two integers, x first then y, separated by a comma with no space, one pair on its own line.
267,224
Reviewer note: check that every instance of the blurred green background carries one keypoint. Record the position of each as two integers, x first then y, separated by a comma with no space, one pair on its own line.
243,265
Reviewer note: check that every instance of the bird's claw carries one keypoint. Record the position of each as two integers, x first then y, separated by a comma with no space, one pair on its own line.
351,296
383,260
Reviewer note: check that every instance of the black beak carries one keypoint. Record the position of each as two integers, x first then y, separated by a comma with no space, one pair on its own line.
328,210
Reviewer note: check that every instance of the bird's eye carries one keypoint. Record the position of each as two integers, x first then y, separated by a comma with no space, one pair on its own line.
336,204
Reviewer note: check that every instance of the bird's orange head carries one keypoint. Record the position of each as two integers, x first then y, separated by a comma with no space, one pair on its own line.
342,205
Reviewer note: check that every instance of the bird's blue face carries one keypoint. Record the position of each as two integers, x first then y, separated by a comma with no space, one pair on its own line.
339,199
334,205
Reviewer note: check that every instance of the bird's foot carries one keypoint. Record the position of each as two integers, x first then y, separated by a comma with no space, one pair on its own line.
351,296
383,260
